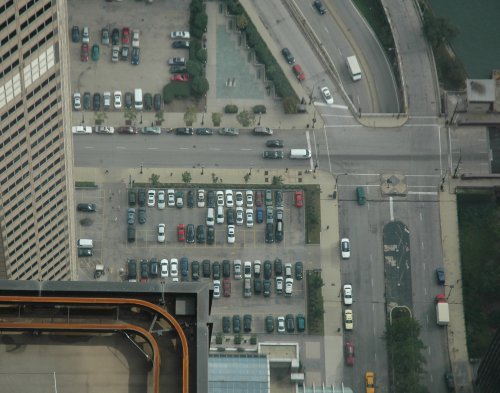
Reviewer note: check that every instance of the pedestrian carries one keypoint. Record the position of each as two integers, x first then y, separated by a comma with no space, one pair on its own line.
327,227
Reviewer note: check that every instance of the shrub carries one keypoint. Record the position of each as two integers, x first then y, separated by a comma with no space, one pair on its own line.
194,68
230,109
216,118
194,47
199,86
234,7
201,55
259,109
175,90
290,104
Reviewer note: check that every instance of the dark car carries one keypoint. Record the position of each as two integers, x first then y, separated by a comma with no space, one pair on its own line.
177,61
190,233
142,215
259,213
96,52
236,323
289,323
205,268
279,231
210,235
299,270
230,216
226,268
75,34
268,269
180,44
216,270
259,198
195,270
319,6
190,199
127,130
141,196
200,234
148,102
275,143
211,199
115,37
135,57
184,131
204,131
144,269
86,207
96,103
257,286
128,100
84,52
124,53
266,285
178,69
105,36
278,267
301,323
278,198
273,154
449,381
269,233
441,278
247,323
154,267
85,252
87,98
269,324
184,265
226,324
157,102
288,56
226,287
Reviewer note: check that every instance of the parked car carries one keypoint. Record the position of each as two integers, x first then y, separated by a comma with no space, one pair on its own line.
216,270
266,285
142,215
289,323
348,322
299,74
178,69
237,269
216,289
190,233
247,269
77,101
247,323
229,131
115,36
174,269
151,198
205,268
131,216
230,234
288,56
180,44
268,270
126,36
95,52
87,98
180,35
177,61
269,323
157,102
86,207
148,102
299,270
124,53
269,233
181,233
117,95
204,131
96,102
128,100
154,267
226,287
440,276
281,324
135,57
184,131
75,34
126,130
201,198
226,325
195,270
151,130
301,323
236,324
161,233
345,248
200,234
210,235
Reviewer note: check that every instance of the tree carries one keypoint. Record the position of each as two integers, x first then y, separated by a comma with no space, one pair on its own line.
277,180
241,22
154,179
159,117
216,118
190,116
438,30
290,104
201,55
245,118
199,86
200,21
247,177
186,177
130,114
194,68
100,117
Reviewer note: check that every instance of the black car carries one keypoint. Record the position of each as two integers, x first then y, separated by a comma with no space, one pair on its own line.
299,270
216,270
288,56
289,323
200,234
269,324
278,198
87,98
190,199
273,154
135,57
204,131
269,233
230,216
211,199
115,37
180,44
275,143
96,103
75,34
195,270
128,100
278,267
86,207
144,269
184,265
236,323
267,288
268,270
441,279
85,252
226,268
449,380
247,323
257,286
154,267
205,267
178,69
319,6
210,235
226,325
184,131
148,102
141,196
157,102
142,215
124,53
190,233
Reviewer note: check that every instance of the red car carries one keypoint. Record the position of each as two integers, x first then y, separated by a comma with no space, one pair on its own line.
226,287
299,198
125,36
297,70
181,233
127,130
84,55
349,353
259,197
180,78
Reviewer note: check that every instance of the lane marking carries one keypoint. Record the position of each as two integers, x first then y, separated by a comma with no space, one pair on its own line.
422,193
89,147
153,148
391,208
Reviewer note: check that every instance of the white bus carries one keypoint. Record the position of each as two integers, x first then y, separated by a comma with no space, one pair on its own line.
354,69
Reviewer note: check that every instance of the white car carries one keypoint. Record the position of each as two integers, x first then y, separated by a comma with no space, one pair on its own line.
237,269
170,198
288,270
175,35
106,99
164,268
201,198
118,99
81,129
216,289
327,95
77,101
256,268
220,198
151,198
229,198
239,216
281,324
247,269
239,198
249,195
347,294
161,199
115,53
345,248
174,271
348,319
279,284
249,214
161,233
288,286
230,234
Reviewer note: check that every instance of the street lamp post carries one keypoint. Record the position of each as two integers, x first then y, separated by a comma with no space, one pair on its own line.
141,117
83,118
260,116
203,118
141,167
202,168
449,293
314,119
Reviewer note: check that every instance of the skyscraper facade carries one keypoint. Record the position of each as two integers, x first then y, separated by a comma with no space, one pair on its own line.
36,158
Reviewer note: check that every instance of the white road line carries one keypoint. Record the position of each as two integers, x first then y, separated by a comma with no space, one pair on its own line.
440,153
334,115
343,126
328,152
425,291
308,138
422,245
214,148
421,186
247,149
422,175
89,147
422,193
420,125
153,148
421,217
121,147
391,208
183,148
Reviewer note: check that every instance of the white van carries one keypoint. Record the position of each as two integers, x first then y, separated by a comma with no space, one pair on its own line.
300,154
138,99
220,214
354,68
85,243
210,217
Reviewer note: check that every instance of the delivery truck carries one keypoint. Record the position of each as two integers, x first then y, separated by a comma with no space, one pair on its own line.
354,68
442,311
